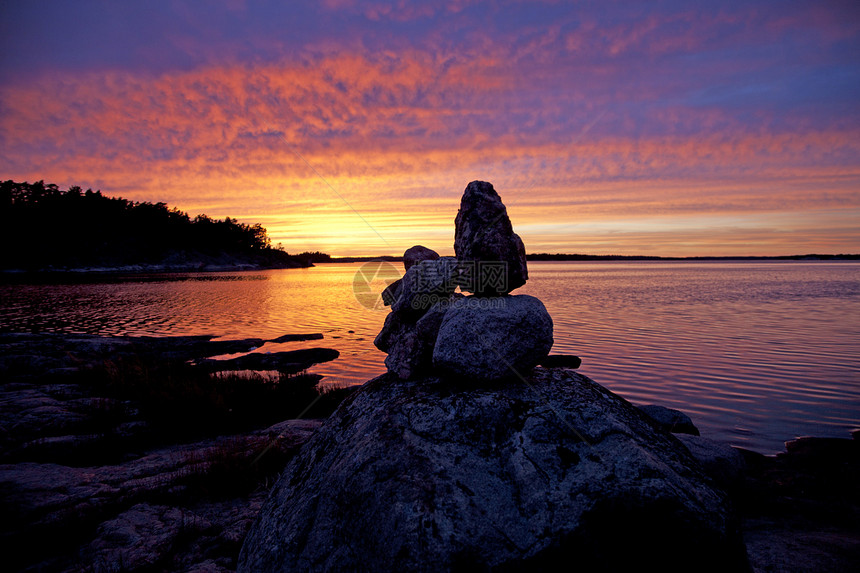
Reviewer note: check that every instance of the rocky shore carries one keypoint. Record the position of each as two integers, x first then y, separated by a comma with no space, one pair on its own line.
134,453
187,506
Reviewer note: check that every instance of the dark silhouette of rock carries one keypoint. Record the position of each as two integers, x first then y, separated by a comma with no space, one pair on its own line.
490,262
425,475
392,292
400,341
297,337
674,421
289,362
490,338
425,284
35,355
410,345
801,508
484,239
561,361
417,254
721,461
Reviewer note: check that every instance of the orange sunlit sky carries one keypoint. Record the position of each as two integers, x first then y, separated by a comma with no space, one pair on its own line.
654,128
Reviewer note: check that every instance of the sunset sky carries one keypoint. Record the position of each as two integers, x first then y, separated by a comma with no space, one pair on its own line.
657,128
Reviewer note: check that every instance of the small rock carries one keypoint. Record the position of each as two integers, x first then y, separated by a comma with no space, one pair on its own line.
561,361
491,338
417,254
493,257
425,284
674,421
399,339
297,337
410,346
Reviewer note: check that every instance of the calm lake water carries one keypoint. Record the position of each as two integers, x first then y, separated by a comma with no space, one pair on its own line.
755,352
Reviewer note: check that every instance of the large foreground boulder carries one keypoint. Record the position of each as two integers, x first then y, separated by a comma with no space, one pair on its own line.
556,474
486,338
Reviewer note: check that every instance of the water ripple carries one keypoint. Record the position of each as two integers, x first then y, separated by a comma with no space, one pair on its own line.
757,353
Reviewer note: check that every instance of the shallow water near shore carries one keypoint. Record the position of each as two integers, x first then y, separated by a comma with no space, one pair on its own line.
755,352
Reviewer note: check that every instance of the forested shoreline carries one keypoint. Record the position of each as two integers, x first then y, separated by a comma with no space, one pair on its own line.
45,228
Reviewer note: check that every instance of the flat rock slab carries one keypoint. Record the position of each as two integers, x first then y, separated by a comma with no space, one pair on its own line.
289,362
25,356
297,337
423,475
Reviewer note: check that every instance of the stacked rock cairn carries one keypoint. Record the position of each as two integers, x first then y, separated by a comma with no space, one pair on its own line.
488,335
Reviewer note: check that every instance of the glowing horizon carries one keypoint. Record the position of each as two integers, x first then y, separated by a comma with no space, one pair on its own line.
352,128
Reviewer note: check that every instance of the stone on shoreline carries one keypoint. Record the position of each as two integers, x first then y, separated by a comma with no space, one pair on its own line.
289,362
410,345
490,338
425,284
417,254
673,421
492,256
296,337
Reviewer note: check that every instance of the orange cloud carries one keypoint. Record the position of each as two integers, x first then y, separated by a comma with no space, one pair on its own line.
303,147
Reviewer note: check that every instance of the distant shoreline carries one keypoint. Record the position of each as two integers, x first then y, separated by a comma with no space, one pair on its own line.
235,264
157,268
579,257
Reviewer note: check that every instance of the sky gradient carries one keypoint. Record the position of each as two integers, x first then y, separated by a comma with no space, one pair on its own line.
653,128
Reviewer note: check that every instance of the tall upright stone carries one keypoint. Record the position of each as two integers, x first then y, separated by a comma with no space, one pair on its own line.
492,256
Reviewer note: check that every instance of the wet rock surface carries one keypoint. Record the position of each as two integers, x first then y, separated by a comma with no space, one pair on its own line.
290,361
26,356
423,475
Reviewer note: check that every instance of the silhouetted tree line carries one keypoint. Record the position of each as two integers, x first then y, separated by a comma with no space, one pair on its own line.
43,226
314,257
